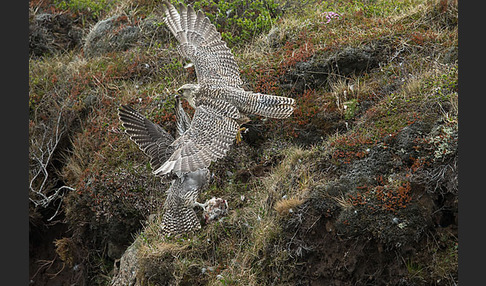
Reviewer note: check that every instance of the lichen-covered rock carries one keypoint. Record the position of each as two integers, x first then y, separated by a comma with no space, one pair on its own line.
49,33
116,33
314,73
126,274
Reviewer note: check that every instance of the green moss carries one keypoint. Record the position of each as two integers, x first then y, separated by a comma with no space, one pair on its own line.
240,22
372,8
351,107
89,9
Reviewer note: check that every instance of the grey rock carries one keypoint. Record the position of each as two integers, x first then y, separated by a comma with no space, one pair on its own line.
116,33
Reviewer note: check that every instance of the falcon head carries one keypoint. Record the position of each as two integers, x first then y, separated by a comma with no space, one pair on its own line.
188,92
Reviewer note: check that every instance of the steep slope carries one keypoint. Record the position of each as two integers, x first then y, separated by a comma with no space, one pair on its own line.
358,187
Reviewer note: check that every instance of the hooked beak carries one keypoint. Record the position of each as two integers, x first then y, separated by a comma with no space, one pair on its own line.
178,93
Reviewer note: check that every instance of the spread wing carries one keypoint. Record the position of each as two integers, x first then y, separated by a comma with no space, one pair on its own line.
208,138
154,141
200,42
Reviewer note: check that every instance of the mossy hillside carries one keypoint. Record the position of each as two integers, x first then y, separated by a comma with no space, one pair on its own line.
367,164
382,205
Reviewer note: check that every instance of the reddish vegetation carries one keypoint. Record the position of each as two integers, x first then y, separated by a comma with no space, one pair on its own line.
383,196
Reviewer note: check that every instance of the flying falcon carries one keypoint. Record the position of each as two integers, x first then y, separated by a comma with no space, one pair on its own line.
179,215
220,102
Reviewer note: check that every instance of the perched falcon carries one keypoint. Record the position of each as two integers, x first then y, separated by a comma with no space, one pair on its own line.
219,100
179,215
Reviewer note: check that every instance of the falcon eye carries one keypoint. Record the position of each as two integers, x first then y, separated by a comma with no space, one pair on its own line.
180,91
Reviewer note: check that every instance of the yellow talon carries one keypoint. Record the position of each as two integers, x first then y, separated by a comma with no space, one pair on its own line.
238,135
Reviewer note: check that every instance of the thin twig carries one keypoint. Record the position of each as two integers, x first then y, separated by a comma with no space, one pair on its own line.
42,158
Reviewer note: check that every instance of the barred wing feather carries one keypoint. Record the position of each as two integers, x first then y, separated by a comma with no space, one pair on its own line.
152,139
209,137
200,42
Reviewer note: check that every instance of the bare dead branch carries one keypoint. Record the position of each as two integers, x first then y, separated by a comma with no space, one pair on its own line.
43,150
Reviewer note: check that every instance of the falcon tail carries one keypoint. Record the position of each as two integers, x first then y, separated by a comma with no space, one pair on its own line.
267,105
178,219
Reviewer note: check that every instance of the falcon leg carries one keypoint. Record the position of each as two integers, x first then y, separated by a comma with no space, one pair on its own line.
238,135
203,206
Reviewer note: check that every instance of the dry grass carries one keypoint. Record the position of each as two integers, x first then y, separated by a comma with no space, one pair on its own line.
161,249
65,249
285,207
344,203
